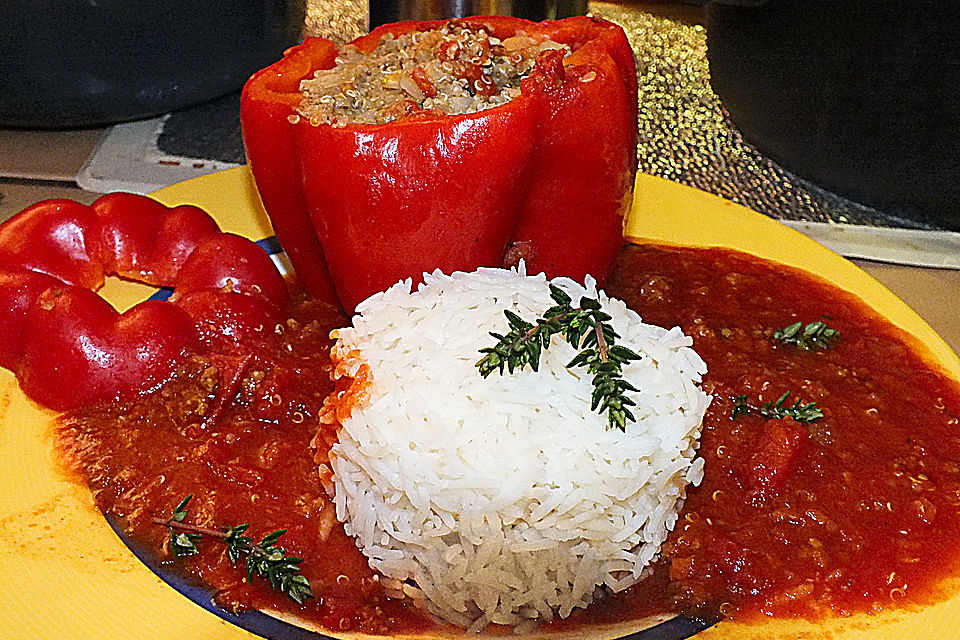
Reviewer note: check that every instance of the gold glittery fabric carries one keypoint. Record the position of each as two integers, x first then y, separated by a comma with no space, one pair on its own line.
684,133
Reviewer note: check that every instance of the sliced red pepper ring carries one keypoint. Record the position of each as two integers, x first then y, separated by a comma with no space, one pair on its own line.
150,253
77,350
70,348
546,177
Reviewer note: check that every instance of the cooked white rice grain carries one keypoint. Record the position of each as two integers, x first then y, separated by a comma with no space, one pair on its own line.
505,499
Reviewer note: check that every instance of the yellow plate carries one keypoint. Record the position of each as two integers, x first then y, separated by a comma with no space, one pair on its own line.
65,574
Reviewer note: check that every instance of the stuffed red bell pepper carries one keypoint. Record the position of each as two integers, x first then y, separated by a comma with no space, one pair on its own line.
446,145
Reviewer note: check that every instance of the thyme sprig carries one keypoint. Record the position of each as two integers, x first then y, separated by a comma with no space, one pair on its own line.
776,410
587,328
810,337
264,558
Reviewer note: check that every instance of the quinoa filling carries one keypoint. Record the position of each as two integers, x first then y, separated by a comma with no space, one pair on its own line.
455,69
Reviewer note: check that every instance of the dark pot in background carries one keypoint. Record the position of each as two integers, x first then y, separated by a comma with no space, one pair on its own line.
861,98
386,11
74,63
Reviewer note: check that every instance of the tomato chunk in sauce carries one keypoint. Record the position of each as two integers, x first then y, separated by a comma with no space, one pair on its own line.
854,511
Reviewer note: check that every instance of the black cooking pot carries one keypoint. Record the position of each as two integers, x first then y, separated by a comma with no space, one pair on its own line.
386,11
72,63
860,97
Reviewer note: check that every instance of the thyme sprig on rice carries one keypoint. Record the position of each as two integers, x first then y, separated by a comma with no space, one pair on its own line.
587,328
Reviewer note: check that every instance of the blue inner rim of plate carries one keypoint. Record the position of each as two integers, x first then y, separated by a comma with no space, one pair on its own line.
269,627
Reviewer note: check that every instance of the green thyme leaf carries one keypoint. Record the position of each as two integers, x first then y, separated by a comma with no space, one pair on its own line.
586,328
810,337
183,544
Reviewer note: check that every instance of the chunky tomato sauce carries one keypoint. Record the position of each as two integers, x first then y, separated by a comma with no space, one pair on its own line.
853,512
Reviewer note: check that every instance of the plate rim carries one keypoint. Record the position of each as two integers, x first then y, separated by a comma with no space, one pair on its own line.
71,537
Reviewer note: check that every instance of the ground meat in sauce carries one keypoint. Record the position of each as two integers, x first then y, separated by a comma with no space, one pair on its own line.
854,512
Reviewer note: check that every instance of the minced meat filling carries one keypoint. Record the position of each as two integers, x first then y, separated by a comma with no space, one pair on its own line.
454,70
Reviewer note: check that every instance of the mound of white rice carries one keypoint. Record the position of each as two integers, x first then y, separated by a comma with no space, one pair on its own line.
505,499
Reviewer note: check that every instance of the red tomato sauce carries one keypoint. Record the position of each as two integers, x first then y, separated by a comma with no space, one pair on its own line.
854,512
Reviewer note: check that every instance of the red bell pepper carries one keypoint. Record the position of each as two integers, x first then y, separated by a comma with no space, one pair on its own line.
69,348
546,177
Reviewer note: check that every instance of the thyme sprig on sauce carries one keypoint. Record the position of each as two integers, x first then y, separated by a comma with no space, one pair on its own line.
587,328
810,337
263,558
771,410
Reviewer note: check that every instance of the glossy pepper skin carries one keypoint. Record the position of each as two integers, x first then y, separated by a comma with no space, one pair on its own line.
70,348
546,177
